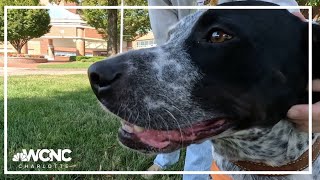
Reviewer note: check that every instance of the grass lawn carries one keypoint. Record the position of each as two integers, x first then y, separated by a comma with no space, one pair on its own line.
58,112
68,65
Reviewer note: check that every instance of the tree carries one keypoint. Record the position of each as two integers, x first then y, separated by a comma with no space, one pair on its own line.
315,7
59,1
112,30
2,4
24,25
106,22
136,22
309,2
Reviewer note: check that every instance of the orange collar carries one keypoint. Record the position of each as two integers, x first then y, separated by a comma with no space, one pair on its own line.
214,167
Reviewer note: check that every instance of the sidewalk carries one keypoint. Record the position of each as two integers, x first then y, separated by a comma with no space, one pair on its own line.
31,71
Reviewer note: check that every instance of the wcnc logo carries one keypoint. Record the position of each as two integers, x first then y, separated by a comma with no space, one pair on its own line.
44,155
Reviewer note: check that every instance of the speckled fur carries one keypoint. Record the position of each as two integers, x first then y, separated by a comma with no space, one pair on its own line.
169,97
276,146
165,102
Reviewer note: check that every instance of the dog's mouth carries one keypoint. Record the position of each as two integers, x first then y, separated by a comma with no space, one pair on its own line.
151,140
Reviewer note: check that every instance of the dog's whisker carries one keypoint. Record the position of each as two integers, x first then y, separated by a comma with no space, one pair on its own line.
128,109
165,123
189,123
119,108
149,119
180,129
175,107
136,118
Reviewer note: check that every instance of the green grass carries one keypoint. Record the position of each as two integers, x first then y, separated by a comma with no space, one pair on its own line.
61,112
68,65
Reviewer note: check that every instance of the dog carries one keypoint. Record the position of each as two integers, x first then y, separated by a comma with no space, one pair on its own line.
225,75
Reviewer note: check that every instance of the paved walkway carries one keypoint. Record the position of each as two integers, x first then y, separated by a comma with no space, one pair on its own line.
20,69
32,71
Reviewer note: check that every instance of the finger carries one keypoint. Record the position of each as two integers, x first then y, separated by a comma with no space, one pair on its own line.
298,112
316,85
316,112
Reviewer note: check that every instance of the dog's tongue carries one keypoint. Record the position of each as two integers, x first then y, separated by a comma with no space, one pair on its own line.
161,139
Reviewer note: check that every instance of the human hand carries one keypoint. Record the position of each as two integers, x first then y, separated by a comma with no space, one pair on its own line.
299,113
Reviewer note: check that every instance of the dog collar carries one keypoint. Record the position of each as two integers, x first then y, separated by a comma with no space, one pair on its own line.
207,2
297,165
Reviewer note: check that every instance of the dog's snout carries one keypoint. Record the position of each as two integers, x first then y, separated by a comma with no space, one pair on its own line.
103,79
103,74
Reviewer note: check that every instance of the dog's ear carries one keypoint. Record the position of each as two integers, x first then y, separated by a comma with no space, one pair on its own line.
316,51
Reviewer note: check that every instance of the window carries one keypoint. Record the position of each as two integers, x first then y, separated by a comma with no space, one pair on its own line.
62,53
145,43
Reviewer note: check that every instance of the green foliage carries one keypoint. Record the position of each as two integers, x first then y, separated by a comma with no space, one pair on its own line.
136,22
86,58
72,58
98,18
79,58
24,25
309,2
68,65
104,21
94,59
58,1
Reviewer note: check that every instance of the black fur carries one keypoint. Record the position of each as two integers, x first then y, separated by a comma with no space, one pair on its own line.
259,74
252,79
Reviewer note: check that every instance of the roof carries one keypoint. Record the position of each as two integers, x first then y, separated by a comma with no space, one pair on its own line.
62,17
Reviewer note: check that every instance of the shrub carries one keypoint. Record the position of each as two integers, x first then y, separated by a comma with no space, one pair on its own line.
80,58
72,58
86,58
93,59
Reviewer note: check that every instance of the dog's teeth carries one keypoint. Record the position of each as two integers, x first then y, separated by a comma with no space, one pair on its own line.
127,128
138,128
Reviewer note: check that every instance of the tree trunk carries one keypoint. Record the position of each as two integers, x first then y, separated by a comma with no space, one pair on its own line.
316,13
18,44
19,49
112,45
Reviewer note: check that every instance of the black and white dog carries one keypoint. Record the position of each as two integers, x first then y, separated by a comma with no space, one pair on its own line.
226,75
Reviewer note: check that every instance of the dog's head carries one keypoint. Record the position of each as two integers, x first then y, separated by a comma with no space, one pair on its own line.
219,70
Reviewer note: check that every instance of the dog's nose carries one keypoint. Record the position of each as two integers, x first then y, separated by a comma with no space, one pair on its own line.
103,74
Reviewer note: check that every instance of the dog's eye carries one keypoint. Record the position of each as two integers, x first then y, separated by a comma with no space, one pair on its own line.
219,37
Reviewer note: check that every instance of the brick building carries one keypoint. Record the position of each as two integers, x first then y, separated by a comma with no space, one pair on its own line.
145,41
69,35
